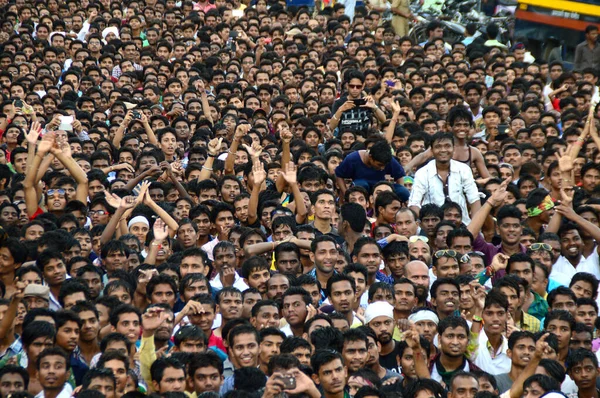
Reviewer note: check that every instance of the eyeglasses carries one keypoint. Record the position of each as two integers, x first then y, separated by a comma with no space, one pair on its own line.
415,238
98,212
355,85
465,258
60,192
445,253
477,253
540,246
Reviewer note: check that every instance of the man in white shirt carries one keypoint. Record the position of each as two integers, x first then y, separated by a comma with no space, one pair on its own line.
445,178
53,368
491,353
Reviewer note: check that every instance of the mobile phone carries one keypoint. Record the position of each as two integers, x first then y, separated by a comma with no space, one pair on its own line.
136,115
359,102
502,129
233,34
19,103
390,83
289,382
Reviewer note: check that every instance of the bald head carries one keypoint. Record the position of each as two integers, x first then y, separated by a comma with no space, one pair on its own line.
418,272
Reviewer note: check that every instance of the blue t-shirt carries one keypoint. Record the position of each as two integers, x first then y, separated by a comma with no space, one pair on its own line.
354,168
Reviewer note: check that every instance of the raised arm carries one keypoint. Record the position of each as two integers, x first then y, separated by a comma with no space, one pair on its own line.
214,147
496,200
204,99
240,132
149,132
389,132
62,151
30,182
166,217
121,130
122,205
171,176
418,160
289,174
259,175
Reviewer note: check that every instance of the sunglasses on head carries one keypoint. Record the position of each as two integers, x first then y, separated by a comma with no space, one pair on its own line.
540,246
416,238
446,253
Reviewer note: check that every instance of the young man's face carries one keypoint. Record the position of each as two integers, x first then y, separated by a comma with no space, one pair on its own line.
105,385
67,336
584,374
129,325
11,383
332,377
245,350
173,380
207,379
53,373
562,330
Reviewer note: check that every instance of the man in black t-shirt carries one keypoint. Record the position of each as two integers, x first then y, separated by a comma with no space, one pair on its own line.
379,316
353,112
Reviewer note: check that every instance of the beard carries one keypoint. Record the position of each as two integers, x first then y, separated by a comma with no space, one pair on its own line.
384,338
421,293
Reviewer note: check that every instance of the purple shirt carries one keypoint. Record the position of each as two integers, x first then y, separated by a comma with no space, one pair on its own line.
490,250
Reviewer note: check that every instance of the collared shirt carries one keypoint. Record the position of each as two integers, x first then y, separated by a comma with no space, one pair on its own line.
564,271
79,365
490,250
586,57
460,187
530,323
238,283
538,309
65,392
13,350
489,360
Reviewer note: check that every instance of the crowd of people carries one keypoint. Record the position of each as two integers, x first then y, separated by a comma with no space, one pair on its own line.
269,200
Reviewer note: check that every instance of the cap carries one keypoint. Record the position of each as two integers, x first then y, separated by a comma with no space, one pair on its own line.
379,308
40,291
293,32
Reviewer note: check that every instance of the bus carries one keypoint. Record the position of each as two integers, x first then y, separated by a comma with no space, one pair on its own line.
554,28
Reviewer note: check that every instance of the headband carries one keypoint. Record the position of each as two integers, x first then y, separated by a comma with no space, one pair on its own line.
138,219
546,204
424,316
379,308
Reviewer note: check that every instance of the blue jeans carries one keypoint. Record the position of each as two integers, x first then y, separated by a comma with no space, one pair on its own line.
402,192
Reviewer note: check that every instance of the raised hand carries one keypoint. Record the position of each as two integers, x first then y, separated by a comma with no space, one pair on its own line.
228,276
113,200
565,161
153,318
193,307
478,294
160,230
214,146
566,199
34,132
499,196
499,262
125,166
47,143
370,102
241,131
289,173
143,191
128,202
146,275
286,135
254,151
412,338
259,175
395,108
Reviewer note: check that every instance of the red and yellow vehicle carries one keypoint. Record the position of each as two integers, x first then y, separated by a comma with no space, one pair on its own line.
548,24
